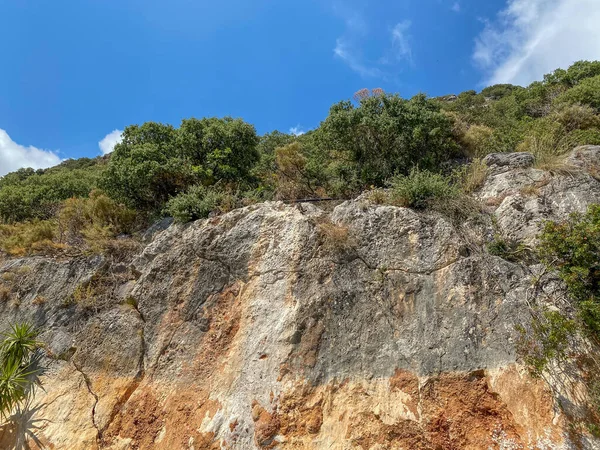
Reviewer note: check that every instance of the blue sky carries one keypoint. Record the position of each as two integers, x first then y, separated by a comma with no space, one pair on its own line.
75,71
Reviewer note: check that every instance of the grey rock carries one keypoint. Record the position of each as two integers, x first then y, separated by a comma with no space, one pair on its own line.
238,310
501,162
157,227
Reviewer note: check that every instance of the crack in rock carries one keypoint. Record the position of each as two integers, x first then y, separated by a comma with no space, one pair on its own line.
88,384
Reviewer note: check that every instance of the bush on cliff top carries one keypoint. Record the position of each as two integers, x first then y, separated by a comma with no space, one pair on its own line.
359,145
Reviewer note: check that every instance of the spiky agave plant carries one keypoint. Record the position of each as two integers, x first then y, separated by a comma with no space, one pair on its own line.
18,366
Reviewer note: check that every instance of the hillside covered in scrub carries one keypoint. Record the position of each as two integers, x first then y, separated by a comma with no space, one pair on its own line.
439,290
215,165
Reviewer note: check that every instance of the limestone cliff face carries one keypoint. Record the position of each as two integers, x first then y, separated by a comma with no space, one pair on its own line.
285,326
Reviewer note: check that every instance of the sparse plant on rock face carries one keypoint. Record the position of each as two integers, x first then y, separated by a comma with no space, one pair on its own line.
5,293
18,366
507,249
378,196
567,334
471,176
420,188
334,237
573,249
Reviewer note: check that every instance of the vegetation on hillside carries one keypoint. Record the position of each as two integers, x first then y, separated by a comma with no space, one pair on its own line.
212,165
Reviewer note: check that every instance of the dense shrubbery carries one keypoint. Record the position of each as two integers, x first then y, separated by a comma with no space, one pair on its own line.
156,161
386,134
21,238
85,224
35,194
546,117
216,164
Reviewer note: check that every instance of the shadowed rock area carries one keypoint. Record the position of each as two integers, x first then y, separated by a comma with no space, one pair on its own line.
285,326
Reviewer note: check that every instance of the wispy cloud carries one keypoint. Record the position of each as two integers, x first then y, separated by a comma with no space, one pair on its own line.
533,37
456,7
14,156
107,144
350,47
350,56
297,130
401,41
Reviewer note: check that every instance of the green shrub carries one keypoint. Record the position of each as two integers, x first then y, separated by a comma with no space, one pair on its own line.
386,134
156,161
576,73
547,341
196,203
93,223
587,92
420,188
28,194
77,214
572,248
577,117
298,176
549,142
498,91
478,140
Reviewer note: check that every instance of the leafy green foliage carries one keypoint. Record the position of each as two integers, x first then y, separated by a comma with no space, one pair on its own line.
587,92
155,161
387,134
196,203
360,145
265,169
87,224
548,341
578,72
18,368
27,194
553,341
298,173
498,91
420,188
573,249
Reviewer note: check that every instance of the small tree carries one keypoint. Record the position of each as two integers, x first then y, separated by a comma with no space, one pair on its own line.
386,134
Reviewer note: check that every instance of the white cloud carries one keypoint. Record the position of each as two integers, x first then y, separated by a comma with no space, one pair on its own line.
401,41
456,7
533,37
14,156
349,47
107,144
351,57
297,130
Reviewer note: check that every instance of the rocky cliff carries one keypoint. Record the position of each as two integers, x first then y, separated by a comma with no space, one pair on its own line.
292,327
